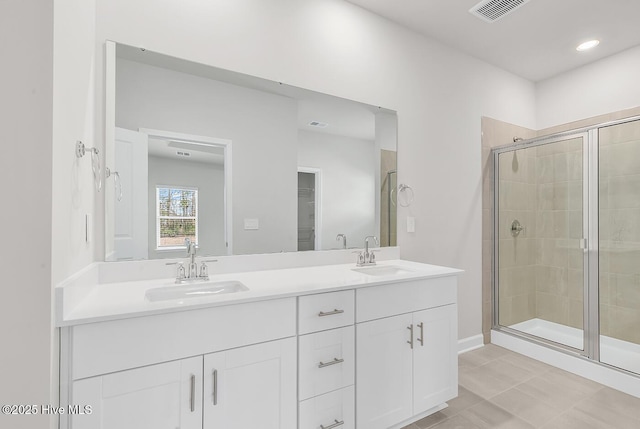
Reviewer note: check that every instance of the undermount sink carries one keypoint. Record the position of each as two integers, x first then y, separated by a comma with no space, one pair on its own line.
383,270
167,293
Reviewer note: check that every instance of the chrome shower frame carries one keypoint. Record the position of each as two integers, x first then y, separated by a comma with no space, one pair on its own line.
590,241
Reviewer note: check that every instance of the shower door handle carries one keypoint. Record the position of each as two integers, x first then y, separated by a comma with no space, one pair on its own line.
584,244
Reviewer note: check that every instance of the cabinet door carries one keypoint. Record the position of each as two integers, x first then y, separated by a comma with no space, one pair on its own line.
383,372
435,360
162,396
251,387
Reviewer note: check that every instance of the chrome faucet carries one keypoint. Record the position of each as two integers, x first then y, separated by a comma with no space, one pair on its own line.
191,274
191,252
367,257
344,240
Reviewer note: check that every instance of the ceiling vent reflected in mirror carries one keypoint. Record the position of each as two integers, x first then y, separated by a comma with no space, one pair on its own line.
318,124
493,10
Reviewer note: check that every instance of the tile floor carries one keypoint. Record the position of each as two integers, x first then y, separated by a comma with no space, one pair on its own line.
502,389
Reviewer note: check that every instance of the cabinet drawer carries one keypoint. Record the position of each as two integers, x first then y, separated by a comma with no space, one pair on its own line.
329,410
326,361
325,311
377,302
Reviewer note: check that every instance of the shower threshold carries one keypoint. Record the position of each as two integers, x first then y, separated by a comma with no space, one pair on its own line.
621,354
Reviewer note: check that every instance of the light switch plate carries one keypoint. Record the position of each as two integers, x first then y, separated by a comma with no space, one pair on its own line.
411,224
251,224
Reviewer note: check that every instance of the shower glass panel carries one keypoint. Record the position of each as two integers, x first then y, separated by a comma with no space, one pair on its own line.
540,226
619,262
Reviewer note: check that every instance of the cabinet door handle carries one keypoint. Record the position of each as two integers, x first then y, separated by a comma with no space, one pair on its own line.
421,339
333,362
410,328
215,387
330,313
333,425
193,393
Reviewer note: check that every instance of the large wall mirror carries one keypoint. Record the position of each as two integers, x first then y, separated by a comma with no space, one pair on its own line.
238,164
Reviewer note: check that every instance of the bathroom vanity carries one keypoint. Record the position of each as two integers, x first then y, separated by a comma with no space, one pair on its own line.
313,347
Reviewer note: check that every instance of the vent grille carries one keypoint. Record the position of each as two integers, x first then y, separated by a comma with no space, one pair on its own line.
493,10
318,124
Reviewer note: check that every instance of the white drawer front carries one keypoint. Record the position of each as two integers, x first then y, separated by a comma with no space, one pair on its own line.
326,361
104,347
377,302
325,311
329,410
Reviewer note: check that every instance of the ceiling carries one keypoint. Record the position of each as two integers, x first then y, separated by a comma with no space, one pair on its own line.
536,41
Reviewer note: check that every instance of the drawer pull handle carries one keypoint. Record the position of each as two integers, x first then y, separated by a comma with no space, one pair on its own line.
334,425
410,342
421,339
193,393
333,362
330,313
215,387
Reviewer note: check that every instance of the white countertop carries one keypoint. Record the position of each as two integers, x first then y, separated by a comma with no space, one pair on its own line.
112,301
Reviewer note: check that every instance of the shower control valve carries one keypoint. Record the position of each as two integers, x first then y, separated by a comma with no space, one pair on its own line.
516,228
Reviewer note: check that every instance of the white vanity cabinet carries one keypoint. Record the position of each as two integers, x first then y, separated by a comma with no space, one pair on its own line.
162,396
158,371
375,355
407,351
326,360
251,387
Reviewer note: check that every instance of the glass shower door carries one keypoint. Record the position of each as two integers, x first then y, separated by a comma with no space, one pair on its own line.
619,262
540,251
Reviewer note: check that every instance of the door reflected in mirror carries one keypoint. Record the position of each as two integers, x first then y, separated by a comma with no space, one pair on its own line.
306,168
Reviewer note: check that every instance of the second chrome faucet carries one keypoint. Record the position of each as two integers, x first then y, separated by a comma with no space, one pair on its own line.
367,257
191,274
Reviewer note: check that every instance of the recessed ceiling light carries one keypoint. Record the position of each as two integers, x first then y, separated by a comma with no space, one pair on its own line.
588,45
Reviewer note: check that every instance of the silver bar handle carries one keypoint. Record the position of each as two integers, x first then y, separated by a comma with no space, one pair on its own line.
193,393
330,313
334,425
335,361
215,387
421,339
410,328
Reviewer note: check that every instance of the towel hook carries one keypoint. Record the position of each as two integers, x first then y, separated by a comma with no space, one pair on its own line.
117,180
81,151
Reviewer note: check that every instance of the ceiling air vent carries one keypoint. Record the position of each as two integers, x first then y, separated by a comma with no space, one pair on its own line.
493,10
318,124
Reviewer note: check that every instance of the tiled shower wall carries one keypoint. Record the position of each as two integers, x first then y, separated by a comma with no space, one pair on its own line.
620,231
541,188
494,133
388,162
517,201
549,245
559,220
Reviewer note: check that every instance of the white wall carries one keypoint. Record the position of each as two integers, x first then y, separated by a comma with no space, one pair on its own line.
348,185
26,109
73,119
209,180
335,47
603,87
261,126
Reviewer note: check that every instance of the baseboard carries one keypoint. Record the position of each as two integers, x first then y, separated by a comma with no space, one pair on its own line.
470,343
